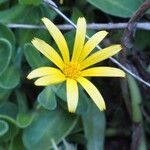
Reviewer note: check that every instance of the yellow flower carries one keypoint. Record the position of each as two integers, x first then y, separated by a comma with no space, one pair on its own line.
74,70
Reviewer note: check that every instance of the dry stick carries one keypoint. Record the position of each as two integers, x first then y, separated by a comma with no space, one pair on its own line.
93,26
55,8
127,40
132,24
138,136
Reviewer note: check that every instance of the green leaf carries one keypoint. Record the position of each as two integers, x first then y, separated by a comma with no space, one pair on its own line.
24,119
94,128
21,101
47,98
49,13
8,109
48,126
4,94
9,78
76,13
32,56
83,104
8,112
3,1
5,54
60,91
6,33
32,15
29,2
13,129
121,8
14,14
3,127
136,99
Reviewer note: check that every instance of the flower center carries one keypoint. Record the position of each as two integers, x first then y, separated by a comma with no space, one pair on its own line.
72,70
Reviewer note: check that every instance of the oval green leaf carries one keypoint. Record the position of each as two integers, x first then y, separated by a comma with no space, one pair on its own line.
12,130
4,94
47,98
24,120
6,33
48,126
136,99
9,78
5,54
13,14
3,1
94,127
33,57
3,127
8,113
8,109
120,8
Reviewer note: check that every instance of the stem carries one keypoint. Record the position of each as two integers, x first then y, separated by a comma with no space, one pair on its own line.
93,26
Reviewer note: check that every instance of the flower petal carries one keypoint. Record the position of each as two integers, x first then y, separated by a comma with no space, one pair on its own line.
100,55
79,39
72,94
48,51
93,92
92,43
43,71
58,37
103,72
50,79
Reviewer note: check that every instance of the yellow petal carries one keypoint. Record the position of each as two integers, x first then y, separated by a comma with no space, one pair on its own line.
58,37
50,79
48,51
100,55
43,71
93,92
79,39
92,43
103,72
72,94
